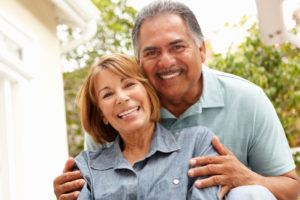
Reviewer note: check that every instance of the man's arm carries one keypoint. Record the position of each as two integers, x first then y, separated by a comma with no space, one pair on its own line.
66,184
228,171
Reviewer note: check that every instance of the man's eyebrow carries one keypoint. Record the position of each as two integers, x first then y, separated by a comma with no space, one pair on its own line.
171,43
176,41
149,49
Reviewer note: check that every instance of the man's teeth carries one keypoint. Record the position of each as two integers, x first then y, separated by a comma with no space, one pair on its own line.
128,112
168,76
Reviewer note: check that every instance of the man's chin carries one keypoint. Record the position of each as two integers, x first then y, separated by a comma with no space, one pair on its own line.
169,95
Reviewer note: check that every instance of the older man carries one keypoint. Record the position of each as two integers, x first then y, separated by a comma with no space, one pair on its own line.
169,47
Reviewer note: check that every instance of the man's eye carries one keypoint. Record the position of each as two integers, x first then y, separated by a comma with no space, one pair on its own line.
150,53
177,47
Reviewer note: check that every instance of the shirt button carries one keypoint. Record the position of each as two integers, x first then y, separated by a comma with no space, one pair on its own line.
175,181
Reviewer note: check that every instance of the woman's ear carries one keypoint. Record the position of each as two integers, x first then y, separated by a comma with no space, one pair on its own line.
105,121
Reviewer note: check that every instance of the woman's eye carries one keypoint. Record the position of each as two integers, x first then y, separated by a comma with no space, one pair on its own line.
107,95
129,84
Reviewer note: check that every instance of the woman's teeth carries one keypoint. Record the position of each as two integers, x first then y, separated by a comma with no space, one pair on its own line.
128,112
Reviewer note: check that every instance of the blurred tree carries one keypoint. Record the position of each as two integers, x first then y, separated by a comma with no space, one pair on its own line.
113,35
276,69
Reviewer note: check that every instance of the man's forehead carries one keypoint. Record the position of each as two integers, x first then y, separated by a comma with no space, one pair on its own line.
161,31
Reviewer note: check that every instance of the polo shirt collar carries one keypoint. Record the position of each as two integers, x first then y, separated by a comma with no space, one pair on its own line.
112,157
211,97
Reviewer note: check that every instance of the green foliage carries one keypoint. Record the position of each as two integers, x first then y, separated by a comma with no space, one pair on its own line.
274,68
113,35
72,84
296,157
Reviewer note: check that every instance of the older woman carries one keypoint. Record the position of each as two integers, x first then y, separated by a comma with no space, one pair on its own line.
118,104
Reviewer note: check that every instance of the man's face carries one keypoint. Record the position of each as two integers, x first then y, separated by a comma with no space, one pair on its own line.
170,58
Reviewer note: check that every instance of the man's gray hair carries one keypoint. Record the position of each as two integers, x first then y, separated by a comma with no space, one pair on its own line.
164,7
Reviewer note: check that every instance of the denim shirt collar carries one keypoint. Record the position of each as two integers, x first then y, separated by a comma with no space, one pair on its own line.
112,157
211,97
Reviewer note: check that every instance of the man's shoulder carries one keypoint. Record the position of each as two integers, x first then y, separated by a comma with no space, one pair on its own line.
192,132
232,78
234,84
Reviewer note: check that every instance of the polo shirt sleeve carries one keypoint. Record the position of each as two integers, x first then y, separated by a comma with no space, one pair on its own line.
269,153
82,164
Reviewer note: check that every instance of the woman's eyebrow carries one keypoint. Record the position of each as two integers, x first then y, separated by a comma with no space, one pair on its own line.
123,79
104,88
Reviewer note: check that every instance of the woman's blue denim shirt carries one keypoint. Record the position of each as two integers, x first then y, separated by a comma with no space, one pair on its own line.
162,174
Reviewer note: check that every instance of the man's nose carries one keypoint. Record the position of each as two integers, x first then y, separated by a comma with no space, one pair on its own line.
167,59
122,97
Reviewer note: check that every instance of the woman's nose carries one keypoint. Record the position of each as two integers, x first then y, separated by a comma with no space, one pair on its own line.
122,97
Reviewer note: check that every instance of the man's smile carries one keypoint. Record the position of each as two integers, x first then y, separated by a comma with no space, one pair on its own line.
169,73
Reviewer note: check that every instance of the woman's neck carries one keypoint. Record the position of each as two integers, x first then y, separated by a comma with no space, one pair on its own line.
136,145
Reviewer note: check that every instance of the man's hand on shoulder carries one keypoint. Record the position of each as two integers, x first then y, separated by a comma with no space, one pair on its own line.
225,170
66,184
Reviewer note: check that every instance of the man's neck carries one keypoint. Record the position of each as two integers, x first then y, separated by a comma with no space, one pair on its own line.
178,105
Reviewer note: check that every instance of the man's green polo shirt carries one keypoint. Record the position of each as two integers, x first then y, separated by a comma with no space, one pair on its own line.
243,118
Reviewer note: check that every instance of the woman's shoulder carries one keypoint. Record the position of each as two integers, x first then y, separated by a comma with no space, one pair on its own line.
88,156
193,133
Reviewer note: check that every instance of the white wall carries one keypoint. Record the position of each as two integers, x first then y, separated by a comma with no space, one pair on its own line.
33,142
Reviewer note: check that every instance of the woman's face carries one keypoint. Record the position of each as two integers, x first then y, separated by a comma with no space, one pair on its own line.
123,101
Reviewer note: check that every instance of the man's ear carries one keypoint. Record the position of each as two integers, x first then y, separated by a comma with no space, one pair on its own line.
202,52
138,61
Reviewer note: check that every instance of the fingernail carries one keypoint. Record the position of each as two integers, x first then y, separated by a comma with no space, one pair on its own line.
76,194
82,182
193,162
198,184
191,172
